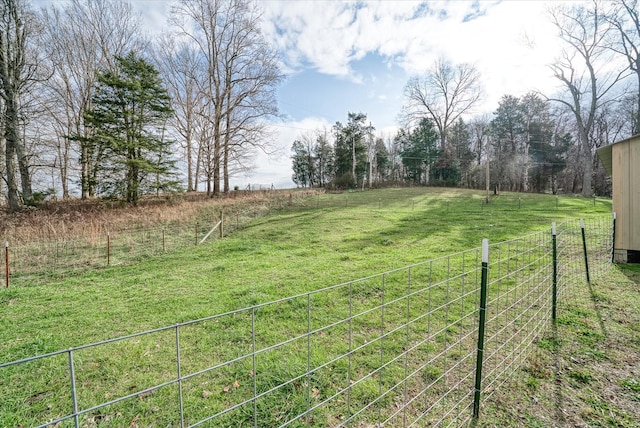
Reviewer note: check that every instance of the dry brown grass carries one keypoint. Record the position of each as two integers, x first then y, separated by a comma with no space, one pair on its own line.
86,219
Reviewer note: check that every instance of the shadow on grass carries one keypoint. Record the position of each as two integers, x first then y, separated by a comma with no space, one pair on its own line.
595,299
631,271
558,395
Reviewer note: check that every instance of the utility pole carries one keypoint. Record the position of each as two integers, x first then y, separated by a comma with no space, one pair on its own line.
371,153
353,159
487,178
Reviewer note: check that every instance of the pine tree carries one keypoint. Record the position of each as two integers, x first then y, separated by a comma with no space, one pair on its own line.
419,151
351,151
131,107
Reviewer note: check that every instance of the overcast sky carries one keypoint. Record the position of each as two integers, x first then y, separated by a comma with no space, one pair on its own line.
342,57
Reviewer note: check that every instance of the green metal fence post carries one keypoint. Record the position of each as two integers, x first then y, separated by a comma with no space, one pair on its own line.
613,239
481,323
584,249
554,299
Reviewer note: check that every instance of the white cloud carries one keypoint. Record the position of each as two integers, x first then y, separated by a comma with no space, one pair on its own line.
311,32
511,42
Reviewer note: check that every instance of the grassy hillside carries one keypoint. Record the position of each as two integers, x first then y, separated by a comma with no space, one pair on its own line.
321,241
315,242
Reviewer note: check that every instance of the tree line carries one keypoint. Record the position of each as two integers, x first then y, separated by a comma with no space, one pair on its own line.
532,143
86,98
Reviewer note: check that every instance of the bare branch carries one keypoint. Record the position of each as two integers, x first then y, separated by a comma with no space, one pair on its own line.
444,94
582,72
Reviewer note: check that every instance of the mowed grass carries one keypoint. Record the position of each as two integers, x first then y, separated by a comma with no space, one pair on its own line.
326,240
585,372
294,251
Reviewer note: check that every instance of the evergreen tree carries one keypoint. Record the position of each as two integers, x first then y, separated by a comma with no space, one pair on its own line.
351,151
324,159
460,141
549,156
302,165
130,109
383,161
419,151
508,135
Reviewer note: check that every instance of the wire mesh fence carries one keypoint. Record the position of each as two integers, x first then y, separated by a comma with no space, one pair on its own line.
457,202
518,305
396,349
26,261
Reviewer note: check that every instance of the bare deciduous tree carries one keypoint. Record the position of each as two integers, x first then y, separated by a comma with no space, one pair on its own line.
242,75
3,181
625,17
584,71
443,94
81,39
17,74
183,70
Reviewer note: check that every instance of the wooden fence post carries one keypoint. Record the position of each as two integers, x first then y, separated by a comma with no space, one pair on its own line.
6,263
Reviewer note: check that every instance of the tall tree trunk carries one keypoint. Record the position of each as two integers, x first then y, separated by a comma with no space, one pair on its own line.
227,135
25,174
353,161
12,185
190,187
216,163
63,156
12,141
225,168
3,151
217,133
587,165
196,181
15,75
85,172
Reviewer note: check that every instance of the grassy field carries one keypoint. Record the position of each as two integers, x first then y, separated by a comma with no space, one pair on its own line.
351,235
586,371
317,242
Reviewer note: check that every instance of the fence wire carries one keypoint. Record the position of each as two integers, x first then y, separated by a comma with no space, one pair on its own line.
519,303
56,258
396,349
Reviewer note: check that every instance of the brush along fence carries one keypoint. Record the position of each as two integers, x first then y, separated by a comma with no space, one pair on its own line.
42,261
422,345
56,258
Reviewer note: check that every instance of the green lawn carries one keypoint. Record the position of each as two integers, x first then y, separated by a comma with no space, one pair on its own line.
316,242
586,371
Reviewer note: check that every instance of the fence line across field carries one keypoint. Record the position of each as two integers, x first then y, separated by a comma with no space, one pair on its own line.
423,344
55,258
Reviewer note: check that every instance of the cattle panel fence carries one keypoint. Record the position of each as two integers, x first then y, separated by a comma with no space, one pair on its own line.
416,346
